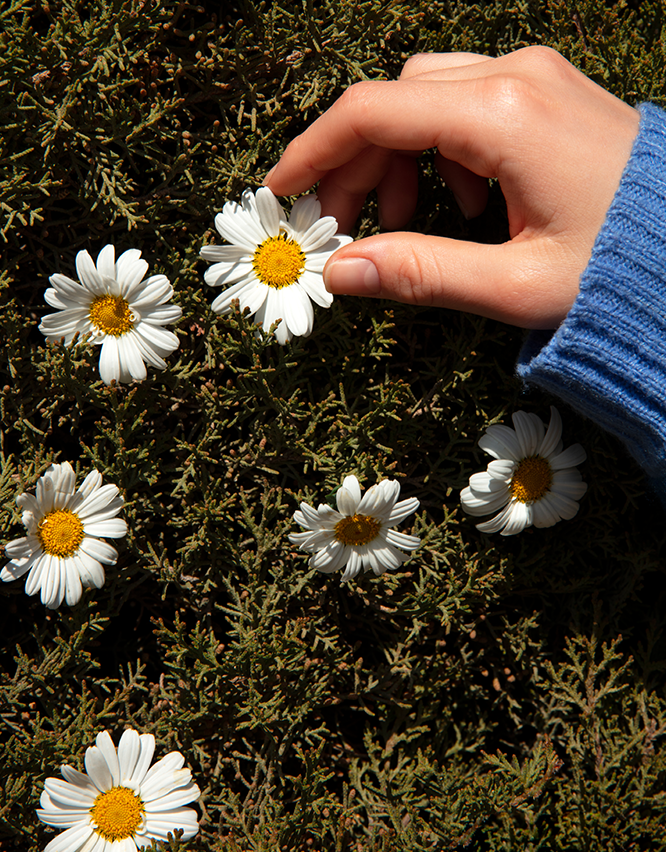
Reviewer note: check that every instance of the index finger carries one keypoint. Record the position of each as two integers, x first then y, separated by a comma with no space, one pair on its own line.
411,114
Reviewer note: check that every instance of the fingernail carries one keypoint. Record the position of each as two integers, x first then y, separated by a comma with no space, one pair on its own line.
268,176
460,204
355,276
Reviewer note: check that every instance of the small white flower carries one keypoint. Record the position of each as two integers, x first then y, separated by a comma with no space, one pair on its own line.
119,310
359,534
63,550
531,480
274,265
119,804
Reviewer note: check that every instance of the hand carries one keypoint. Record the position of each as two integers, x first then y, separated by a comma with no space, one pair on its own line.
556,142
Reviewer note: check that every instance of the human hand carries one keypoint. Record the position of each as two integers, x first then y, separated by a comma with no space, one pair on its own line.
556,142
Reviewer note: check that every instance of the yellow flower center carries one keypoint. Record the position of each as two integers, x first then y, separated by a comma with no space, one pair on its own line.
60,533
118,813
278,262
531,479
357,529
111,314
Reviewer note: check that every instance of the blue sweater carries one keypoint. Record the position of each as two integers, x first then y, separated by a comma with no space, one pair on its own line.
608,358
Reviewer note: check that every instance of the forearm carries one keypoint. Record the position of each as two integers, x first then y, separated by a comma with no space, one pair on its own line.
608,357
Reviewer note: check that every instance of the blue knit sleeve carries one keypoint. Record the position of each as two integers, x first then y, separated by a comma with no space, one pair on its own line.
608,358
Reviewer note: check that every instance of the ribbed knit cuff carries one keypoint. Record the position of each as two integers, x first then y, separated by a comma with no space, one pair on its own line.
608,358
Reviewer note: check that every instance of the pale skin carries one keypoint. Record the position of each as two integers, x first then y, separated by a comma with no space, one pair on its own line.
556,142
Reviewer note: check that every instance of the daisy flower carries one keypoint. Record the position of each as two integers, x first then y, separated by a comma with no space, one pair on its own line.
359,535
120,311
63,551
532,480
119,804
273,266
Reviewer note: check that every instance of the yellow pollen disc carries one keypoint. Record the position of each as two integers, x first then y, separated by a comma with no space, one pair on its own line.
60,533
531,479
357,529
278,262
111,314
118,813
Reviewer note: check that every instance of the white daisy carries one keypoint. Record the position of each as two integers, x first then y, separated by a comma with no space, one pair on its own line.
274,265
359,534
119,804
531,480
63,550
119,310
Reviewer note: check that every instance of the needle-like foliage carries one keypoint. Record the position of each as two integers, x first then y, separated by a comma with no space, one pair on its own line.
491,694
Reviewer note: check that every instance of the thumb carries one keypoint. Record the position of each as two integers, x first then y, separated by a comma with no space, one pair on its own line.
513,282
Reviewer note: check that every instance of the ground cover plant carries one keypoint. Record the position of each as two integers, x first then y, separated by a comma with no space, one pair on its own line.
492,693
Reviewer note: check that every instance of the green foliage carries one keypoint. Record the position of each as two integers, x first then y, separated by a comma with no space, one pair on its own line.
495,693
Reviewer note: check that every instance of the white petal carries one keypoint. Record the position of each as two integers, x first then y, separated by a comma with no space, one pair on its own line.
159,825
304,213
402,510
97,767
238,229
71,840
501,469
316,260
54,582
65,817
399,539
543,514
222,303
563,505
99,550
109,360
64,794
90,570
380,499
519,518
73,586
553,435
79,778
319,233
106,262
163,340
501,442
348,496
105,503
88,275
109,528
527,433
106,747
313,284
130,357
226,274
330,558
354,565
174,798
298,313
269,211
147,742
129,749
496,523
225,255
484,483
564,482
19,548
571,457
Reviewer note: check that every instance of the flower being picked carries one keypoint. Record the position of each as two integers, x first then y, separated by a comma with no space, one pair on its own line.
273,266
120,311
359,535
64,551
119,804
532,480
